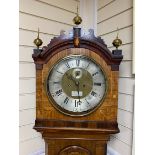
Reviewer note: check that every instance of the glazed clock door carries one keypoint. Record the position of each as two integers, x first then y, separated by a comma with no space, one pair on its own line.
76,85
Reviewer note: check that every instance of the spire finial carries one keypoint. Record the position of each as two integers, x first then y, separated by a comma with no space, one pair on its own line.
38,32
77,10
117,32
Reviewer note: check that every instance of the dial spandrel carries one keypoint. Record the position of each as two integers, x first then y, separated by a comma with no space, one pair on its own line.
76,85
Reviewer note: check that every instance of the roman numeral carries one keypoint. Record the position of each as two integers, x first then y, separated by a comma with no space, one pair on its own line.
97,84
59,92
87,65
66,100
56,82
93,93
77,103
95,73
60,72
77,62
67,64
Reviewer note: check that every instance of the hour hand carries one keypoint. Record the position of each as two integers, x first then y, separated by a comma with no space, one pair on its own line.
77,84
73,79
70,77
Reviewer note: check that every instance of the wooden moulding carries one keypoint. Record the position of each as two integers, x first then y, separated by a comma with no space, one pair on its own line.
78,126
75,149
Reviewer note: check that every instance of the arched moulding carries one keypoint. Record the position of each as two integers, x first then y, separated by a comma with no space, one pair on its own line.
74,150
83,40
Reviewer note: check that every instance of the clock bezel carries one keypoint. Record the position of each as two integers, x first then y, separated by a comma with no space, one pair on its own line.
71,113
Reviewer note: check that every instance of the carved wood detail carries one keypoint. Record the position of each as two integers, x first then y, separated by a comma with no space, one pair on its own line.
89,41
74,150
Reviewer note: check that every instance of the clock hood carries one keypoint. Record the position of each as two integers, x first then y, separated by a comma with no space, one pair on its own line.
77,38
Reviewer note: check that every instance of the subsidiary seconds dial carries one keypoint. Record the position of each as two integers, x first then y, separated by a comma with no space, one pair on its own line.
76,85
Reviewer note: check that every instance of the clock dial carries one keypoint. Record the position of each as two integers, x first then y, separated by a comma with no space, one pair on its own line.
76,85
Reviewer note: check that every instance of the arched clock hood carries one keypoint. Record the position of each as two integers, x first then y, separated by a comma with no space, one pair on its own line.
77,39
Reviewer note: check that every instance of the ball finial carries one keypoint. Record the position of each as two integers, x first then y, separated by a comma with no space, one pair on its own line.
77,19
117,42
38,42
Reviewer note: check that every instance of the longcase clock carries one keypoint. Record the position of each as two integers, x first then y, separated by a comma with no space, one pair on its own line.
76,93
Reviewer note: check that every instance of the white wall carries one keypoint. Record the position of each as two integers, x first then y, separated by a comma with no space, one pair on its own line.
50,17
88,13
113,14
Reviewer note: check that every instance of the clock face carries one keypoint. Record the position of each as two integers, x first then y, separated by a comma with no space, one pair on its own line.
76,85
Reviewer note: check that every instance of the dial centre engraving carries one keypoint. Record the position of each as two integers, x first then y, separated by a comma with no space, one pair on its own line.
77,73
80,81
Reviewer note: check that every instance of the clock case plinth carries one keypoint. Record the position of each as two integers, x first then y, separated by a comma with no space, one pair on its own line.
67,135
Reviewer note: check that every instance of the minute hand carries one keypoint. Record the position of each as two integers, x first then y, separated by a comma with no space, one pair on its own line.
77,84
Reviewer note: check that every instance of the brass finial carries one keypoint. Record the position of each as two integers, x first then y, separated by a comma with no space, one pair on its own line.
77,19
38,42
117,42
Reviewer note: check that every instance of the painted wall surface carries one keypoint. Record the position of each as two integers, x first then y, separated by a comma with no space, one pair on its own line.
51,17
88,13
110,15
